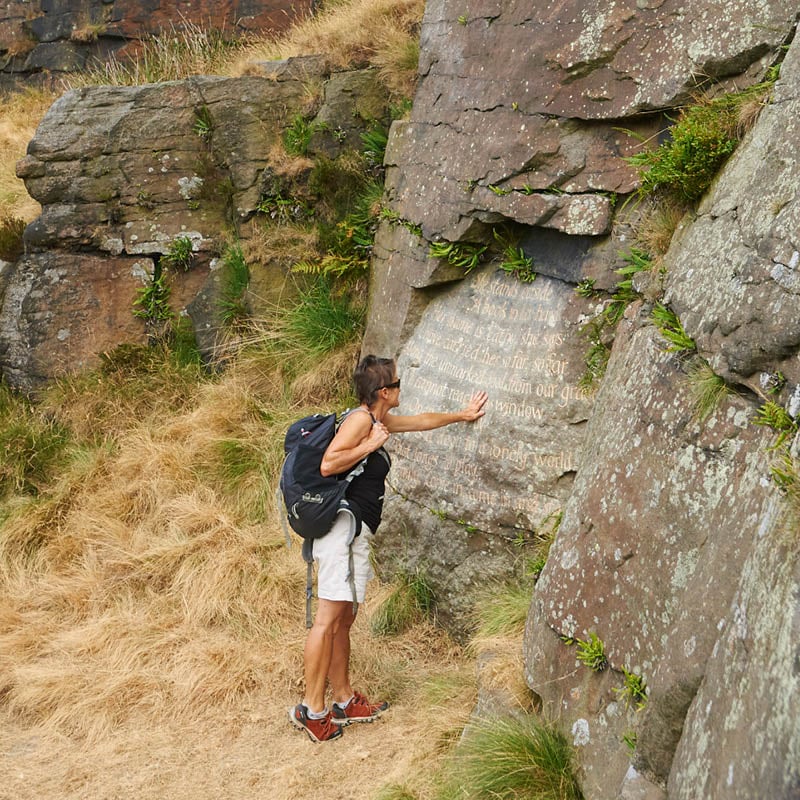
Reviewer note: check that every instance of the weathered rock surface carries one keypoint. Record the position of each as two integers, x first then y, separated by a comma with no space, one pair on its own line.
735,276
666,509
649,553
675,547
470,492
124,172
749,700
59,310
45,37
535,137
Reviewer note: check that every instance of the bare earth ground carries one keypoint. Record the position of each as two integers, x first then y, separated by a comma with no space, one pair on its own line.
251,753
251,750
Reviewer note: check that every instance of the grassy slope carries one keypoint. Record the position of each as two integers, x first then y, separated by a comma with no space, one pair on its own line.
151,617
148,597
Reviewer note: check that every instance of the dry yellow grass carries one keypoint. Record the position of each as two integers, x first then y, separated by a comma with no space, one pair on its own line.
19,115
382,33
150,612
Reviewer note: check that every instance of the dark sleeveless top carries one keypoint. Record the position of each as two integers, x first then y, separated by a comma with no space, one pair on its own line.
366,490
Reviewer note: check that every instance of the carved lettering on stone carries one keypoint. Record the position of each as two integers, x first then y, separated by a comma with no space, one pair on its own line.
513,468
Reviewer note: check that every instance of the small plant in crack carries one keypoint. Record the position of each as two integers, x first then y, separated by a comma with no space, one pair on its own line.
591,653
179,255
670,327
707,388
633,691
516,263
775,416
460,254
585,288
152,302
203,125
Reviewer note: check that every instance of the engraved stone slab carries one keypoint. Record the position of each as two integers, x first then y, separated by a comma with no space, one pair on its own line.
496,333
467,491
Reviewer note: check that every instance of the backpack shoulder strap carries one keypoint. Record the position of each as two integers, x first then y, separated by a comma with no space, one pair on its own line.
347,412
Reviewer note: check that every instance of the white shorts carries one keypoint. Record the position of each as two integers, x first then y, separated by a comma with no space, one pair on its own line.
332,554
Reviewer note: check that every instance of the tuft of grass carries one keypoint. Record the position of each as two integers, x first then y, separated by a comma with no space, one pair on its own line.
545,536
320,321
670,327
133,385
11,230
179,255
597,354
512,757
700,141
396,791
502,610
32,445
338,184
707,388
176,53
354,33
397,60
655,231
152,301
324,320
410,600
235,279
591,652
20,114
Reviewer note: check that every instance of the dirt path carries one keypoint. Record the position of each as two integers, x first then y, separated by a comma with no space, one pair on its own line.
252,752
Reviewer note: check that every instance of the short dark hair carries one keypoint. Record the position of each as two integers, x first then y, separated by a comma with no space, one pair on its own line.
371,374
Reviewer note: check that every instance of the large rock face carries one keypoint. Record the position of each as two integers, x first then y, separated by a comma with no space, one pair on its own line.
472,494
44,38
673,534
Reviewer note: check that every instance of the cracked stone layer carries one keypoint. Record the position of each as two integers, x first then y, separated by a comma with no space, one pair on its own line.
649,552
749,700
40,36
123,171
593,60
734,277
468,491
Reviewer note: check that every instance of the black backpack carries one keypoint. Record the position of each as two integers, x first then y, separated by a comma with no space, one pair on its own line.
312,501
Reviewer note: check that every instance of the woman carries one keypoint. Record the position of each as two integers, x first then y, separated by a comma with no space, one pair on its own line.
360,436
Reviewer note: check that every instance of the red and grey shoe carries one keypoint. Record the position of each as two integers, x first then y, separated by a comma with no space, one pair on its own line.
318,730
359,709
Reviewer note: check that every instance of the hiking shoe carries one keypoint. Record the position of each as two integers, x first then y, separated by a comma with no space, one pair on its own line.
318,730
359,709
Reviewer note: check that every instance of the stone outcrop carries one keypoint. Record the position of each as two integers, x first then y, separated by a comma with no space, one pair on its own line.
44,38
671,520
122,173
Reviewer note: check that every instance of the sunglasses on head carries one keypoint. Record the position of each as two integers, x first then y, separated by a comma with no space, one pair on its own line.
394,385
